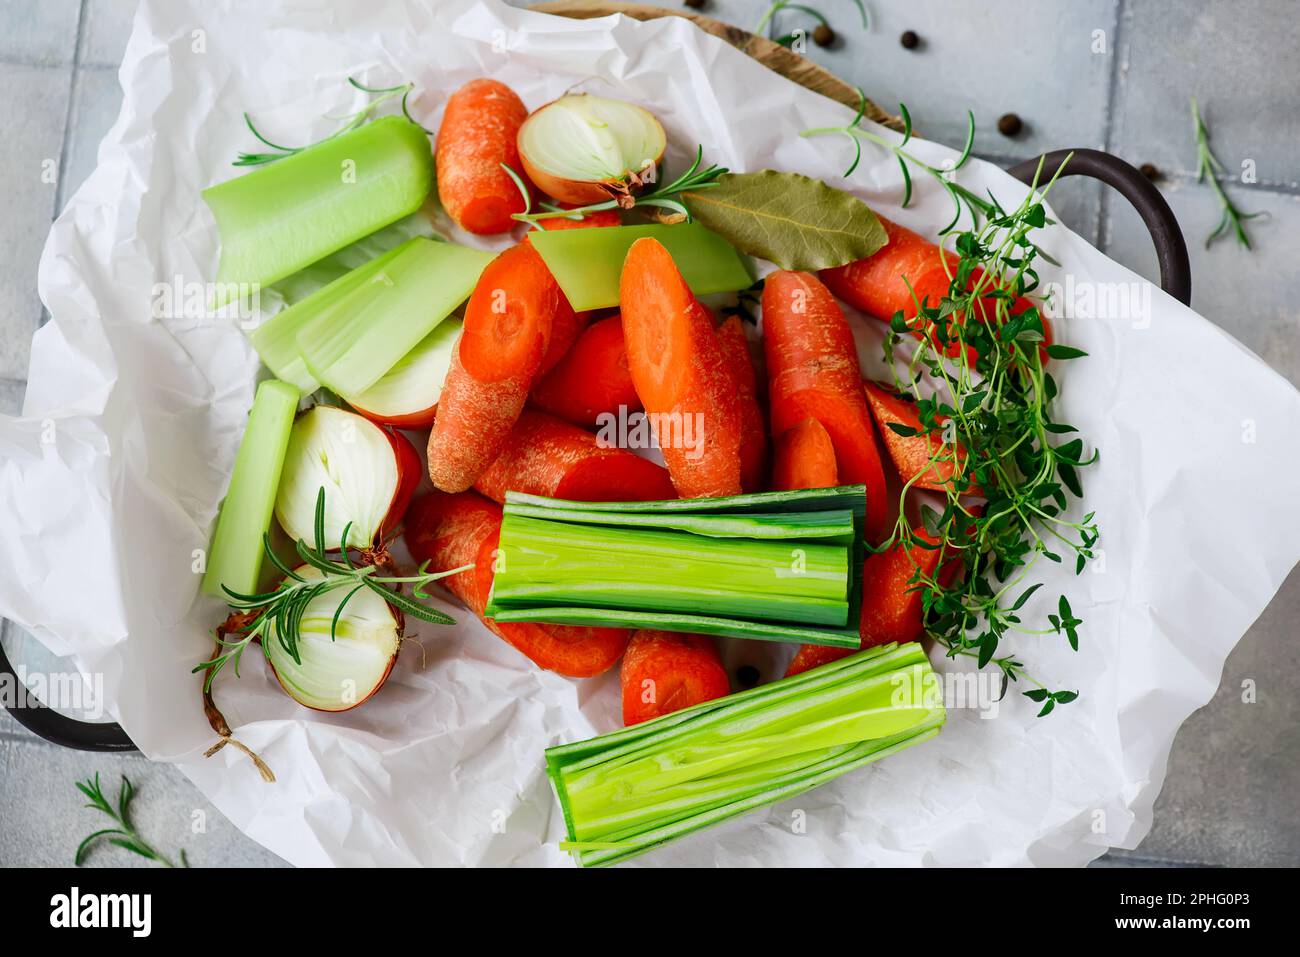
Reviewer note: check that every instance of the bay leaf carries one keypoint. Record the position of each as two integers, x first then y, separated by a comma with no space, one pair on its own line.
792,220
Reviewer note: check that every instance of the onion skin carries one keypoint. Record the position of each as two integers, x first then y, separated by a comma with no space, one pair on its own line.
409,471
422,419
575,191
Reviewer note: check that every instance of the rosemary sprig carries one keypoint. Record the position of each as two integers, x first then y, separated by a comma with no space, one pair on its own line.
663,197
1208,166
350,122
992,424
961,196
123,834
283,607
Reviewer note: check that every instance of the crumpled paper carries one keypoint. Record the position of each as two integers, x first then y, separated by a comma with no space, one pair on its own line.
110,481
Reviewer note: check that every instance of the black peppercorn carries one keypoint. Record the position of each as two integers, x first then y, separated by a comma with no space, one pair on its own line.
695,4
910,40
1150,171
1009,124
823,35
747,676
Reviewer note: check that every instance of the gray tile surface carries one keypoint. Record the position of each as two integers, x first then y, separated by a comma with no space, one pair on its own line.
1235,770
11,396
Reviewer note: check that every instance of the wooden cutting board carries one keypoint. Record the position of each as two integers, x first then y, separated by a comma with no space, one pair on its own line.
772,55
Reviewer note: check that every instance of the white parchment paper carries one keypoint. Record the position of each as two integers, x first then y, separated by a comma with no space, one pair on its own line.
131,423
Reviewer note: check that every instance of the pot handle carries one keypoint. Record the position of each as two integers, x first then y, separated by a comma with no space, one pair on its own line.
1171,248
57,728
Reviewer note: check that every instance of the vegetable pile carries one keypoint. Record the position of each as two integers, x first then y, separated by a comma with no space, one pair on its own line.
796,502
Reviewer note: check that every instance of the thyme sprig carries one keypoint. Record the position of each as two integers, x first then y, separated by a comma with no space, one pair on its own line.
350,122
123,833
663,196
1208,167
991,424
979,206
283,607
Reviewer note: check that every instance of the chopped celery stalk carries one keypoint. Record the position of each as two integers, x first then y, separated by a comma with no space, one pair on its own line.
415,383
286,215
587,263
276,340
235,559
376,323
777,566
623,793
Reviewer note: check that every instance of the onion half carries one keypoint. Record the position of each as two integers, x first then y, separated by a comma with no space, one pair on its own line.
585,149
406,397
368,473
339,673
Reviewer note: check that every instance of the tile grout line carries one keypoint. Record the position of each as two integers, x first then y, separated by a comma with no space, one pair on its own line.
1108,124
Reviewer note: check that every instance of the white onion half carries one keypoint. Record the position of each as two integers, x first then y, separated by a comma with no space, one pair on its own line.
406,396
338,674
353,460
573,147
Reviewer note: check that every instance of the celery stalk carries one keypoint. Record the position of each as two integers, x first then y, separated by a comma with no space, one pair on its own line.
626,792
235,558
587,263
286,215
372,325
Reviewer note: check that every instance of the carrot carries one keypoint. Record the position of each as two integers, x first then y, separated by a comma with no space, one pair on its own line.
592,379
508,325
879,284
664,672
679,370
600,218
478,134
891,605
805,458
450,531
753,430
547,456
566,327
912,453
813,372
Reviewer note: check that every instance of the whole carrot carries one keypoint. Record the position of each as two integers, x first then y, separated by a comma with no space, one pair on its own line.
664,672
507,331
680,373
805,458
753,430
479,131
601,217
592,379
547,456
569,324
813,372
450,531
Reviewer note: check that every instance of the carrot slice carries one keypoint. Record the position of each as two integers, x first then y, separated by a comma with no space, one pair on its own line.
805,458
912,453
664,672
547,456
679,371
753,430
813,372
450,531
891,605
479,131
592,379
510,316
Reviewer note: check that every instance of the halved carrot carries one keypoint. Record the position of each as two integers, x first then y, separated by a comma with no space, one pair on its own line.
548,456
592,379
479,131
680,373
666,671
805,458
813,372
912,453
753,430
891,605
450,531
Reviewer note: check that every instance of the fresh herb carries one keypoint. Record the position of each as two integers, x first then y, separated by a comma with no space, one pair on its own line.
282,608
350,122
123,834
1208,167
823,35
993,425
789,219
961,196
662,197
